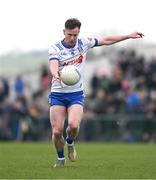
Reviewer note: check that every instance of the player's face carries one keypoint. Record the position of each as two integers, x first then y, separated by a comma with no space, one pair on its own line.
71,35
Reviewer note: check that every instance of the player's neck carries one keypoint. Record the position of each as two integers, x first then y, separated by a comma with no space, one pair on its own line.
67,44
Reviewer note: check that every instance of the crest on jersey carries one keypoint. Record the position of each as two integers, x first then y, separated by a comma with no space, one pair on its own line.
80,49
80,46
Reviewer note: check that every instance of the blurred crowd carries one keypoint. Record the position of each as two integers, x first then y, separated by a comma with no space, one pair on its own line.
128,87
24,115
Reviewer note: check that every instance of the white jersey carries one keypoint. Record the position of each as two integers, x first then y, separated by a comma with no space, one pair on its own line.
67,55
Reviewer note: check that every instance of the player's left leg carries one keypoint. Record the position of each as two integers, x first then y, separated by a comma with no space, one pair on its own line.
75,113
57,118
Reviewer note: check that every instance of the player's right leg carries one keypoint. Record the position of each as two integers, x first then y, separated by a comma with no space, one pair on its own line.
57,118
75,113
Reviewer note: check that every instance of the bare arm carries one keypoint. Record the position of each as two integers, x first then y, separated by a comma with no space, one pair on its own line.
54,69
115,39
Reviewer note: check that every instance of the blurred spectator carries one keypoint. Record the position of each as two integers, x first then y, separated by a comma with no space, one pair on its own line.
100,102
16,112
94,84
19,86
4,89
45,78
133,102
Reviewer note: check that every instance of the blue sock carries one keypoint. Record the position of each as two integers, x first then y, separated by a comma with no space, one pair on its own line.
69,140
60,154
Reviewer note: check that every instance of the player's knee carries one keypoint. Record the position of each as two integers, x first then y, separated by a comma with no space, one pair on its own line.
57,133
74,126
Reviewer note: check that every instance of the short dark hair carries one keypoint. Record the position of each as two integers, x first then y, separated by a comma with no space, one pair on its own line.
72,23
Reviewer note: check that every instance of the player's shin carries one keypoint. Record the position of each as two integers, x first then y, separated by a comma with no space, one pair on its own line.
59,145
71,135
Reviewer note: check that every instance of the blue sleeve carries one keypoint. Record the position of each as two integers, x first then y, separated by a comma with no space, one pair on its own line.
91,42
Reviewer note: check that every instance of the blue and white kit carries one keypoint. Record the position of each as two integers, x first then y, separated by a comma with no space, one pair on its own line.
70,55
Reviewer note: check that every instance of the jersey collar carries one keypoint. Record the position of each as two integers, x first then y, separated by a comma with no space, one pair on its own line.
68,46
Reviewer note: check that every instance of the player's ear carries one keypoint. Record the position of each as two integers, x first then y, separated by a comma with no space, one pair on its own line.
64,31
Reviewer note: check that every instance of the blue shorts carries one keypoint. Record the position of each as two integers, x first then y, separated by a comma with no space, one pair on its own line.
66,99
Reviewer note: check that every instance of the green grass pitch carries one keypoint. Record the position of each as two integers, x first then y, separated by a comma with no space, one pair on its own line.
95,161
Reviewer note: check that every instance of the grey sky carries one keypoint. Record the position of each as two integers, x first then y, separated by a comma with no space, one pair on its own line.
35,24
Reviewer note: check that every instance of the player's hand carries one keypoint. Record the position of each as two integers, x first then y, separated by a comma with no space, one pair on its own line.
57,77
136,35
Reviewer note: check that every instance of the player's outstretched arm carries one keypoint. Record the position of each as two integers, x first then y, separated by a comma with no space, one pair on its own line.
108,40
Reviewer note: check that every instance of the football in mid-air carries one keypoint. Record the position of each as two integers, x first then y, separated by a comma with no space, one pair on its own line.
70,75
